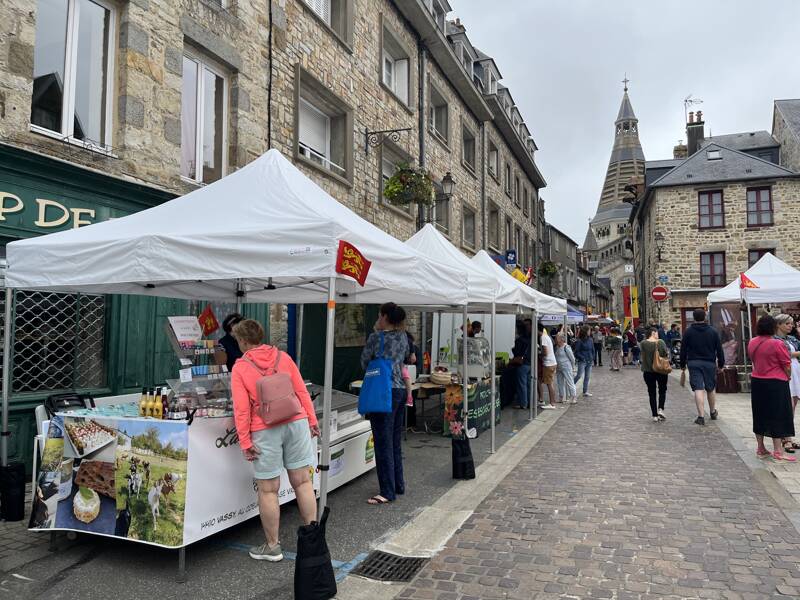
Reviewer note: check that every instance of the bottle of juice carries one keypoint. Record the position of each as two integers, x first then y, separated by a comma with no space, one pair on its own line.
157,410
143,403
149,408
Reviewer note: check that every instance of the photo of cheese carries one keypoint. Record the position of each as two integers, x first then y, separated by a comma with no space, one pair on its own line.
86,505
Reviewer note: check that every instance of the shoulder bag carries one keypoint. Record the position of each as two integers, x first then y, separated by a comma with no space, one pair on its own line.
660,364
376,390
275,396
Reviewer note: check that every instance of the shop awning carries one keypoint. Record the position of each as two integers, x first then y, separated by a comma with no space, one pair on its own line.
776,281
266,230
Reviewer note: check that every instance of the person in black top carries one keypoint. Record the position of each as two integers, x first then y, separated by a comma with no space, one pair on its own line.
227,341
700,350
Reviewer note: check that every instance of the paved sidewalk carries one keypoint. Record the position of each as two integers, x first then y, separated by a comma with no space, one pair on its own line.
612,505
16,542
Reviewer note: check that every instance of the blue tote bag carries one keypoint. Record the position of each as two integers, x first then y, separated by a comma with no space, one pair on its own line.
376,391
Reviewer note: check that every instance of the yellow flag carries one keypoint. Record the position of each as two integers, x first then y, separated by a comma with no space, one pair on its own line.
634,302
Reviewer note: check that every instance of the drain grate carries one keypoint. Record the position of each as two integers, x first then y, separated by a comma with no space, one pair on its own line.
382,566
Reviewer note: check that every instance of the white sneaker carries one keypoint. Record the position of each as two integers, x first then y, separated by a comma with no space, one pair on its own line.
548,407
587,395
656,420
573,401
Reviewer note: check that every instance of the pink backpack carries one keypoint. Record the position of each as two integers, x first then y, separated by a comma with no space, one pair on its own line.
275,395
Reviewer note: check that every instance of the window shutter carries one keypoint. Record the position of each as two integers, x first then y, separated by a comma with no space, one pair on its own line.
313,130
401,79
322,8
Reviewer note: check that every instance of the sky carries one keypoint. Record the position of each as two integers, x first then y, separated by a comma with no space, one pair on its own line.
564,61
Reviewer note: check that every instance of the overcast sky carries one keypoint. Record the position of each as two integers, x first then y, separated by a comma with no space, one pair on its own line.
564,61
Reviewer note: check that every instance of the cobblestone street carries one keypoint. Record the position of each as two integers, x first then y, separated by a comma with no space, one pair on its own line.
612,505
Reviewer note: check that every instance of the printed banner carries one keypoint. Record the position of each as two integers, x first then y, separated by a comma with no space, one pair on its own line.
480,408
726,318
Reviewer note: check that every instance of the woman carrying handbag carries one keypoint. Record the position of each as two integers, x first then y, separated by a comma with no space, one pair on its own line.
655,369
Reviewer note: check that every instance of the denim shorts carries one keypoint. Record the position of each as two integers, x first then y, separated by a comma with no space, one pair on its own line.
288,446
702,375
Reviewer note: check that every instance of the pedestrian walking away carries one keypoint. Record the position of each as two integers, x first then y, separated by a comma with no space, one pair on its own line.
598,338
652,378
521,358
387,427
614,345
770,398
701,351
565,370
272,447
584,355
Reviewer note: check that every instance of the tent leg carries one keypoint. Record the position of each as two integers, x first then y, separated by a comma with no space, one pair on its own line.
465,379
534,366
7,328
299,334
494,375
325,457
531,396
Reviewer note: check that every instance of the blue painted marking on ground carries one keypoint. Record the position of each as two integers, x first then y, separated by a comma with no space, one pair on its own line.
343,567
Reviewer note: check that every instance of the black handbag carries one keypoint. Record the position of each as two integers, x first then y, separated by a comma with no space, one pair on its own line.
463,465
313,572
66,402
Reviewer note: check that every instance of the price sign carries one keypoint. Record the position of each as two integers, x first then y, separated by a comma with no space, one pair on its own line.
659,293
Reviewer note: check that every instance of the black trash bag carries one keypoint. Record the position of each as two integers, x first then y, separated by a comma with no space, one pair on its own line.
463,465
12,492
313,572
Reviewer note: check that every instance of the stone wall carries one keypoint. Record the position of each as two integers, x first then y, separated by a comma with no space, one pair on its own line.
790,144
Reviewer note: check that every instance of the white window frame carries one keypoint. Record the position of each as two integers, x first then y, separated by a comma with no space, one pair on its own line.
321,8
394,52
466,131
203,62
70,67
327,163
493,166
388,58
432,115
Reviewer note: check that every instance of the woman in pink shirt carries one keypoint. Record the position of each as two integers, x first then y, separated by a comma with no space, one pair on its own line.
272,448
770,399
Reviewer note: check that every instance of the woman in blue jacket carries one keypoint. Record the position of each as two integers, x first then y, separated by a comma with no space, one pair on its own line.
584,355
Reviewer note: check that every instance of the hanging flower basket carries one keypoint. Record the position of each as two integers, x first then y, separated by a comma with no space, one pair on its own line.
409,186
547,269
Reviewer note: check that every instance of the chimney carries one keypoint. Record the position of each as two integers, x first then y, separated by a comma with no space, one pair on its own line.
680,151
695,133
691,116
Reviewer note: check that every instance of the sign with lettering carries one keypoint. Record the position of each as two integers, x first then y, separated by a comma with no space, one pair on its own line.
46,214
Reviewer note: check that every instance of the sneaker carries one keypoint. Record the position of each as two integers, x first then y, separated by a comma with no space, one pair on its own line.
587,395
656,420
661,414
573,401
266,552
548,407
714,415
700,421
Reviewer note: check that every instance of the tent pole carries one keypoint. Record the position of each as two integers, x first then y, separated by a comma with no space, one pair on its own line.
239,296
325,457
531,397
299,333
4,433
465,379
494,369
535,367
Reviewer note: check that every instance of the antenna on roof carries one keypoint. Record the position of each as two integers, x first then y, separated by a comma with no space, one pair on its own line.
687,102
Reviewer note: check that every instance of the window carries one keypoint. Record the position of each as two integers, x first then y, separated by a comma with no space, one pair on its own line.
525,209
712,269
394,67
526,259
509,235
713,155
492,87
468,226
494,160
508,180
73,70
518,243
711,210
438,114
324,137
468,148
466,58
203,120
753,256
517,192
759,207
336,14
391,158
494,226
437,11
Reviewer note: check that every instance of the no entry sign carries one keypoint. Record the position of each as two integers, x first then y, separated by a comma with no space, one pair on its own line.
659,293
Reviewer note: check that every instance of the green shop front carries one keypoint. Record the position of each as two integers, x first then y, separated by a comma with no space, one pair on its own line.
99,345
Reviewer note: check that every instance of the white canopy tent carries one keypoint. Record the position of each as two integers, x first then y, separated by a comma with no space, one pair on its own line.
265,233
777,282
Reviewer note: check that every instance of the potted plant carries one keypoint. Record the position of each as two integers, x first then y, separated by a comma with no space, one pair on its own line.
547,269
409,186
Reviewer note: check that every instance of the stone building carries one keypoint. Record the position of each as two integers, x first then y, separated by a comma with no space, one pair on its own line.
109,107
564,254
702,220
607,242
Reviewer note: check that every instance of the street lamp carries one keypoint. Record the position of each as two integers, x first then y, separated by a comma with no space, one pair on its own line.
448,184
659,239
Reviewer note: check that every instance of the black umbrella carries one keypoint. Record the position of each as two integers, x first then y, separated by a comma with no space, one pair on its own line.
313,573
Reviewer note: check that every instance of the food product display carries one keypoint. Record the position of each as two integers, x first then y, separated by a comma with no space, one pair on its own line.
98,476
87,436
86,505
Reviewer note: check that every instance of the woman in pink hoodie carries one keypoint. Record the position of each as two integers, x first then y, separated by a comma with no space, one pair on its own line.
271,448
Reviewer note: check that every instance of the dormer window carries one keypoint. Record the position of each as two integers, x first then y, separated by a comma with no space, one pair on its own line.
437,11
714,155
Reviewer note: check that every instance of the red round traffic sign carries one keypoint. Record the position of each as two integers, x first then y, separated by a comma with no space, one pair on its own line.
659,293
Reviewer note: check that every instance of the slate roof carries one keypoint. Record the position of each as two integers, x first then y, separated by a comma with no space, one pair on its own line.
655,169
590,242
732,166
748,140
790,109
625,109
617,212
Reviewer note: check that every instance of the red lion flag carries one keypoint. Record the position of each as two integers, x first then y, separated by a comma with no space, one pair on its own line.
208,320
746,282
350,262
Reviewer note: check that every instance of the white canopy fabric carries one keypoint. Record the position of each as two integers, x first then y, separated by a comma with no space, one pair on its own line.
266,229
776,281
531,298
483,287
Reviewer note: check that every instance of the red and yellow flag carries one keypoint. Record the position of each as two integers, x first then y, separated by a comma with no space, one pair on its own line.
350,262
746,282
208,321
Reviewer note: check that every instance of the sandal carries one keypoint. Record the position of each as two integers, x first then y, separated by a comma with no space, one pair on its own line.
376,500
788,447
778,456
764,454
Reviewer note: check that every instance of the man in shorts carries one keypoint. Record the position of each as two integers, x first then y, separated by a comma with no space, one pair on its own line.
549,366
702,352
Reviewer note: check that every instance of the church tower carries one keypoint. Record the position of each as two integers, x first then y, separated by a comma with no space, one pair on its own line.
605,242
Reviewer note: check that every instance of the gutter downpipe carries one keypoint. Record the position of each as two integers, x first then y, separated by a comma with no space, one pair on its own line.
422,57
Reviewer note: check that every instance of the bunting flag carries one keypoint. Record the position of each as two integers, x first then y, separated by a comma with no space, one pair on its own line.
208,321
746,282
350,262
